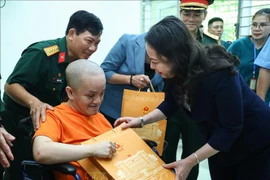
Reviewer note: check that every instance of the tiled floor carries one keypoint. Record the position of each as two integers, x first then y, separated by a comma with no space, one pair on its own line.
203,171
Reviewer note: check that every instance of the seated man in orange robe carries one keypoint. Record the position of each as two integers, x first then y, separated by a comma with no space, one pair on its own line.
58,140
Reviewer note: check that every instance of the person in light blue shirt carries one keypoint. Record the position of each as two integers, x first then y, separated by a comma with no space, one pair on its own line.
263,61
126,66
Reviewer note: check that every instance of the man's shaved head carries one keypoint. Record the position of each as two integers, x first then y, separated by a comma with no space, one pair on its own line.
79,68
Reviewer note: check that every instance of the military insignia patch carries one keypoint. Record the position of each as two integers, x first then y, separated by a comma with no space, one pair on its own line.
61,57
51,50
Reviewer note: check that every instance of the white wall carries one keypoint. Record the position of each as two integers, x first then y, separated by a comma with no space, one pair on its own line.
25,22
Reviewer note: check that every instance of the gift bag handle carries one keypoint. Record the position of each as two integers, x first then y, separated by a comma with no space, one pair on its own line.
151,86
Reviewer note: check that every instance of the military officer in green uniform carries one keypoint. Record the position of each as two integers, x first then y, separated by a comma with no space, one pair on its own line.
38,82
192,14
215,28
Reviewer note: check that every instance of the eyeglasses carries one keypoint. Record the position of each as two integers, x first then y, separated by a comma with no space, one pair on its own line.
254,25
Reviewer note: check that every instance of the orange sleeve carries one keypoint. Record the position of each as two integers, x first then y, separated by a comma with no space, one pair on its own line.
50,128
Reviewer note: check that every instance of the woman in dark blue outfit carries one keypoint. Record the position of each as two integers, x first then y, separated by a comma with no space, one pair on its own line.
234,121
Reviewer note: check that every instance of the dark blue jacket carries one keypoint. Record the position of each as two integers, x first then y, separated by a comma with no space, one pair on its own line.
232,118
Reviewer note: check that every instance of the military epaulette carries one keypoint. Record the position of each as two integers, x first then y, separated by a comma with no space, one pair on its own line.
211,36
51,50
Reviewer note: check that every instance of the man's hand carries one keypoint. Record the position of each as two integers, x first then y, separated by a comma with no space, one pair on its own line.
5,144
21,96
104,149
37,111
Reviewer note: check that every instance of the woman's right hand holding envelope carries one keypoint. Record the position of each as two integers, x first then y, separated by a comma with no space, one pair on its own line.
131,122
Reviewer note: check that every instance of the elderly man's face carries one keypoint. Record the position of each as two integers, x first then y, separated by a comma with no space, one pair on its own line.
88,97
192,19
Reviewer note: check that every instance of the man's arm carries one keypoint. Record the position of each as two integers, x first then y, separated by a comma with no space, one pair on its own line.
263,83
46,151
20,95
37,108
28,71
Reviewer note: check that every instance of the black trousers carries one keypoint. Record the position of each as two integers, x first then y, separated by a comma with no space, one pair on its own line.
251,166
182,124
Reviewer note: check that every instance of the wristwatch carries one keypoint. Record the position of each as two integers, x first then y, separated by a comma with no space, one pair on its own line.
142,122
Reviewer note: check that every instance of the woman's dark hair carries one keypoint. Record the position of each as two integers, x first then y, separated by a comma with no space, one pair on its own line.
264,11
190,60
85,21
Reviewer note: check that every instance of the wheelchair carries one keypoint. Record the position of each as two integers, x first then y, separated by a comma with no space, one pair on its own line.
47,170
66,168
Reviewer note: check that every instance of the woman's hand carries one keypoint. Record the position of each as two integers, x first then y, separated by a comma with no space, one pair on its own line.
140,81
130,122
182,168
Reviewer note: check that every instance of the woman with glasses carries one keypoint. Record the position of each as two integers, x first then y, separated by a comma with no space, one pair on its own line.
249,48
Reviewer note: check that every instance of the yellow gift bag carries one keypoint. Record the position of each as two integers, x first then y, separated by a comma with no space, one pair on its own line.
139,103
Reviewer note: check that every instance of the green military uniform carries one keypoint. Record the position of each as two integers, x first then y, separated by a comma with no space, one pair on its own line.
206,39
41,71
182,123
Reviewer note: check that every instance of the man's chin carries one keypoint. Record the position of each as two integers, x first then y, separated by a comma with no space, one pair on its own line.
86,56
92,111
192,27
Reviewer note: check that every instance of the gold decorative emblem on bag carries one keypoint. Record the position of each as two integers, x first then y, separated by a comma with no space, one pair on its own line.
145,110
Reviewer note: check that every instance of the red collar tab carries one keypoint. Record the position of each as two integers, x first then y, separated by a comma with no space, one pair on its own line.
61,57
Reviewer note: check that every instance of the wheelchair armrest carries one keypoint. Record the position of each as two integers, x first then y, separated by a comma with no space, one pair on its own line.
65,168
150,143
